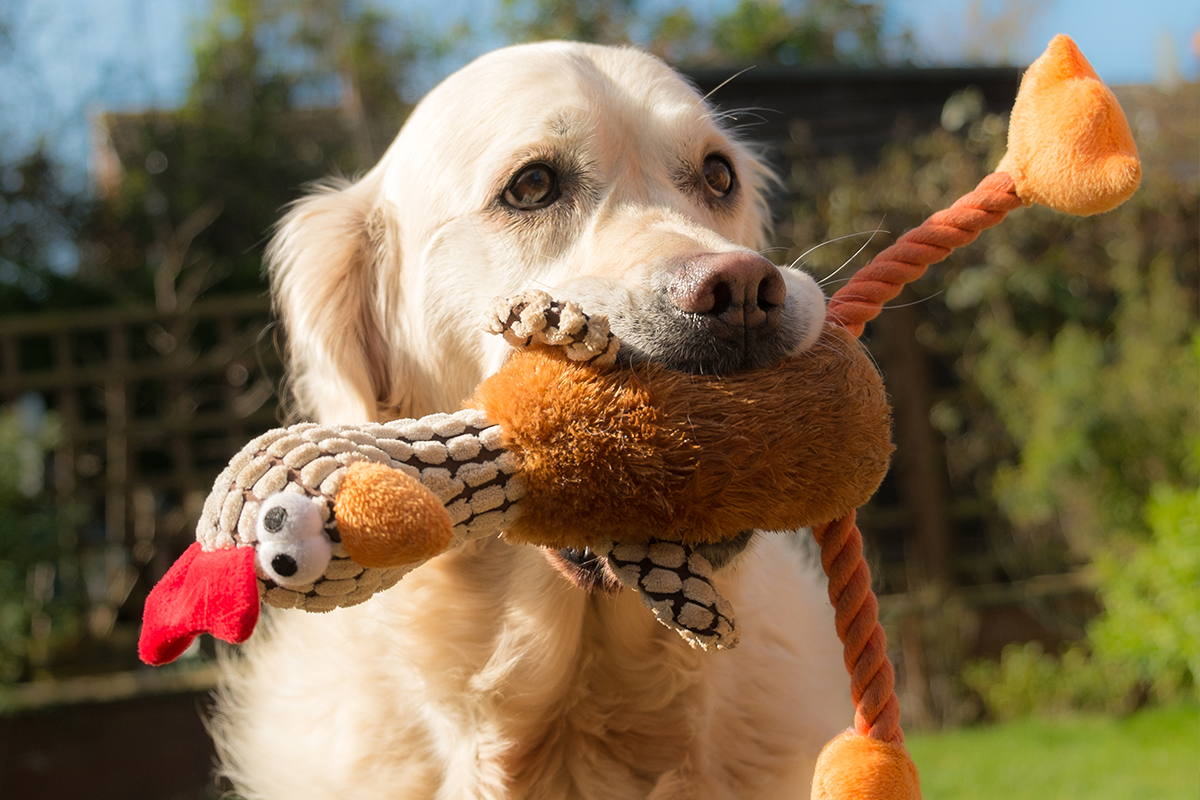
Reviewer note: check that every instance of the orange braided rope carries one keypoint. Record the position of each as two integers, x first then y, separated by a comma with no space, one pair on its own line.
872,679
862,298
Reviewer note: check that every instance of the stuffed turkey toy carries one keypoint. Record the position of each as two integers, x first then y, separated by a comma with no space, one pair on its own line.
563,448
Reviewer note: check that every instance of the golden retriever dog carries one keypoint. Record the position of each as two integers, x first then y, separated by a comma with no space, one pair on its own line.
507,671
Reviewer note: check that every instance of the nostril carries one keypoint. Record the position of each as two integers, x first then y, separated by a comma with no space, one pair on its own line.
772,292
737,288
722,299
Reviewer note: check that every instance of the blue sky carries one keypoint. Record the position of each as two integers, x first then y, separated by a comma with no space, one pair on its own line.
72,57
1124,39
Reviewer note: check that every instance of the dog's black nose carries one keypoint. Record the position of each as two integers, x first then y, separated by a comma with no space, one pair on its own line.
739,291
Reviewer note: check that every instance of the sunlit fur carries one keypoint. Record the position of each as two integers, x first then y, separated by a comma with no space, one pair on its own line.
486,674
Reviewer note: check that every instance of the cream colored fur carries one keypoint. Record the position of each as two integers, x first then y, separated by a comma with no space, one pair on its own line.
485,674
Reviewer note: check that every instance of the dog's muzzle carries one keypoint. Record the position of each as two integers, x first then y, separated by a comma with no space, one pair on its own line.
717,313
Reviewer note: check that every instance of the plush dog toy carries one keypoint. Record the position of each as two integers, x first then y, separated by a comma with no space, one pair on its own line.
645,466
558,449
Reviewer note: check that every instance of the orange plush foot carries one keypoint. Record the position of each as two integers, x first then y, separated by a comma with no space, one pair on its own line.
857,767
1069,145
388,519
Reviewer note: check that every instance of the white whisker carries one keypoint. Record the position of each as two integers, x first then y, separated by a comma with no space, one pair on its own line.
914,302
721,85
795,262
857,252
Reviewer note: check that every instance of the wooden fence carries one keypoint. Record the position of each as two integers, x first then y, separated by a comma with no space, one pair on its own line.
150,406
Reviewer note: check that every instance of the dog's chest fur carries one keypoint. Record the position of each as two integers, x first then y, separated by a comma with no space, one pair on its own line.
565,690
487,675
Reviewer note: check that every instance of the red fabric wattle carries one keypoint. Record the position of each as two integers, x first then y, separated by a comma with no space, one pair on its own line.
203,592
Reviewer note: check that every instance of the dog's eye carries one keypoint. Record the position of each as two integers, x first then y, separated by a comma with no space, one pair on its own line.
718,175
535,187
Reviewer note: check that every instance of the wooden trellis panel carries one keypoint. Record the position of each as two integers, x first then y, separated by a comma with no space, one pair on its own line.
151,407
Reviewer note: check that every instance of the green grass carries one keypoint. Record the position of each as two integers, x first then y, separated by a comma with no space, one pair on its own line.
1152,754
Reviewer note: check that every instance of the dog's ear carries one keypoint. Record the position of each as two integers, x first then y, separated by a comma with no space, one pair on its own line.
326,261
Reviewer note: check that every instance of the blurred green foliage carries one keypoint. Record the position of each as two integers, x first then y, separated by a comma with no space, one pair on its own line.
1144,646
1151,593
1102,406
36,547
1077,409
1087,346
40,221
285,93
748,32
1028,681
814,32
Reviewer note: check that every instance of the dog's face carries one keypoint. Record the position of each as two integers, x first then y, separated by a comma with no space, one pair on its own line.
594,173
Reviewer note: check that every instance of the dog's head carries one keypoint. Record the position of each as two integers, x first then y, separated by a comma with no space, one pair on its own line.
595,173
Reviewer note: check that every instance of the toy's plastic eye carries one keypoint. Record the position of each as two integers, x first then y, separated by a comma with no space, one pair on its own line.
292,546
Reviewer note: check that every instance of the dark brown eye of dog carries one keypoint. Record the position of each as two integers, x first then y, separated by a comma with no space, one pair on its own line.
718,175
535,187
